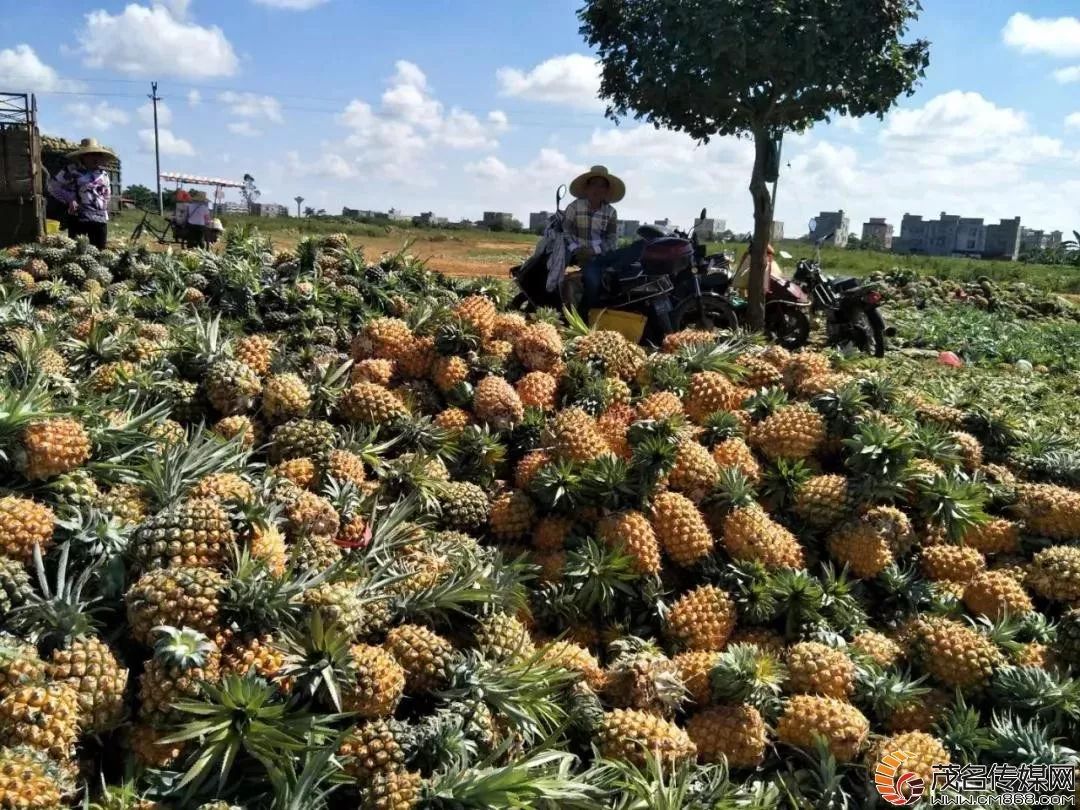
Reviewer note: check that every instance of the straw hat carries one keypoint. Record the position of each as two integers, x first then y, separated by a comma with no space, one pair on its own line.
197,196
616,187
90,146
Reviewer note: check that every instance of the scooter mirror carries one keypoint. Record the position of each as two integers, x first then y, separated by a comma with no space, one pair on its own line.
702,214
813,225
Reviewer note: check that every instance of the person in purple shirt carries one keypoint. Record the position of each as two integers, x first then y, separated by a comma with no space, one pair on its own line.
83,188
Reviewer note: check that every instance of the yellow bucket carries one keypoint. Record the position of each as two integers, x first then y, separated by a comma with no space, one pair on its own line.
52,226
630,325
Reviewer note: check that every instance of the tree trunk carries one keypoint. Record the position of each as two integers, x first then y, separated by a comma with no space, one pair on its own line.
763,215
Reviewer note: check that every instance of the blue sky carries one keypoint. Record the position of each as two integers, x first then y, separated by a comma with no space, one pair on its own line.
460,107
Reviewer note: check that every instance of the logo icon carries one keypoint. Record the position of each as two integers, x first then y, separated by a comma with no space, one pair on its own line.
895,785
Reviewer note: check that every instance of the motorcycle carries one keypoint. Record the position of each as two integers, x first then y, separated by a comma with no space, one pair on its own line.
667,290
851,308
787,306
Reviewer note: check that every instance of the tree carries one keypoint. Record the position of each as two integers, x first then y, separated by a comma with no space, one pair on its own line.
855,243
142,196
309,211
755,68
250,192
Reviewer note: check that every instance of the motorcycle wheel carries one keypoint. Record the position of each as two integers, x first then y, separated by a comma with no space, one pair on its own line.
790,328
867,331
709,314
877,327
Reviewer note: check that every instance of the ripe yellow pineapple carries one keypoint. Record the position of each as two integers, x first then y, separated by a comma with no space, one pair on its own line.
1055,573
680,528
300,471
953,563
710,392
240,425
24,523
177,597
373,370
550,532
731,734
479,312
1049,510
422,653
659,405
970,449
995,536
19,664
576,437
30,779
43,717
922,753
145,742
955,654
344,465
539,347
694,472
370,404
509,326
502,637
538,389
632,532
568,655
630,735
90,667
193,532
453,420
747,531
183,660
759,373
415,357
817,669
380,338
994,594
51,447
223,486
794,432
378,683
868,543
108,376
823,500
371,748
448,372
252,652
734,453
695,672
919,713
232,387
687,338
618,357
393,790
285,396
497,403
308,515
529,465
804,366
256,352
702,619
512,515
878,647
843,727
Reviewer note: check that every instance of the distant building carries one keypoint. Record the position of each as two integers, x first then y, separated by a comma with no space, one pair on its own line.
663,223
627,228
231,208
877,234
269,210
1054,239
498,219
538,220
777,231
953,235
1003,240
428,220
835,223
709,229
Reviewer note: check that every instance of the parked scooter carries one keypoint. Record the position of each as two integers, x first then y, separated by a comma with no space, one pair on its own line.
787,306
851,308
664,292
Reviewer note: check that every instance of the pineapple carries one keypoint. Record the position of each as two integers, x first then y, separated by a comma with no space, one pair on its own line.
879,648
702,619
393,790
223,487
551,532
479,312
816,669
868,543
659,406
497,403
843,727
300,471
233,426
995,594
453,420
422,653
920,713
922,754
195,532
52,447
804,366
734,453
381,338
377,685
415,358
284,396
308,515
463,505
823,500
539,347
955,654
372,370
30,779
1055,573
687,338
19,664
694,472
710,392
793,432
369,749
538,389
302,438
502,637
576,436
183,660
232,387
256,352
734,735
632,532
509,326
680,528
449,372
953,563
629,735
370,404
512,516
695,671
568,655
343,465
251,652
91,668
995,536
748,533
178,597
529,465
1049,510
24,524
759,373
615,354
43,717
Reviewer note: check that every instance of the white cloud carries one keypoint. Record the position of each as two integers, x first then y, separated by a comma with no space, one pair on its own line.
252,105
164,112
328,164
408,98
143,41
169,143
1072,121
1058,37
96,117
572,80
1067,75
194,98
23,71
490,168
462,130
847,123
498,120
290,5
179,8
243,128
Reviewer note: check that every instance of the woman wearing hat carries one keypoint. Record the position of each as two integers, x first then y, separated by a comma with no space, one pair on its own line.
83,186
591,225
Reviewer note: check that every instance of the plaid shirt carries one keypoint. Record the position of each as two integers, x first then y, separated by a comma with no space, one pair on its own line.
595,230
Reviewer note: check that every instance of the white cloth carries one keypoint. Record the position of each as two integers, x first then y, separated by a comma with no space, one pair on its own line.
198,213
553,242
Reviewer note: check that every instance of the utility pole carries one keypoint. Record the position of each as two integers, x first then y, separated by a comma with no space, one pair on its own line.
157,149
776,182
299,200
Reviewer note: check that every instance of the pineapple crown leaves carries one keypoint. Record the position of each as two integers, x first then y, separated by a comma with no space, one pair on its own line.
598,577
782,481
408,475
733,490
59,612
559,486
612,483
661,784
575,324
1011,632
254,597
1019,741
882,691
934,443
479,455
244,724
745,673
101,540
996,430
722,357
813,778
184,647
719,427
327,382
954,502
765,402
421,434
878,456
807,604
585,386
1035,692
318,660
881,392
456,336
118,440
168,475
20,406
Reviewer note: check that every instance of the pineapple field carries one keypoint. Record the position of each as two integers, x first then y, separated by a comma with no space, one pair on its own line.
313,529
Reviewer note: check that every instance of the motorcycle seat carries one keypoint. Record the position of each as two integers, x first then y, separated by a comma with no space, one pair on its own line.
846,283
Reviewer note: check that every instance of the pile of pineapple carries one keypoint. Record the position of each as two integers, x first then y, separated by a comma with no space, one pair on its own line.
284,530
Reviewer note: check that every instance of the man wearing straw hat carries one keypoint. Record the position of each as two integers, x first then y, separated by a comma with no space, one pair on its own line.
591,227
83,186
